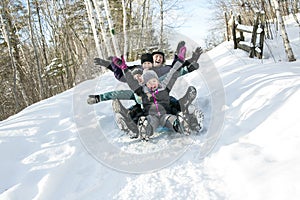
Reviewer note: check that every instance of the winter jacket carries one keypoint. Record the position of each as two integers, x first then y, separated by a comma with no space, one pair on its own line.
159,102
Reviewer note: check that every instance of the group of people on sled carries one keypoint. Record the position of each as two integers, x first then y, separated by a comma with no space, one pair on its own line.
150,85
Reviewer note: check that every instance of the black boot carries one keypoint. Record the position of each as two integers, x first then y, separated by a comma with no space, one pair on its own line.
124,119
188,98
145,129
178,126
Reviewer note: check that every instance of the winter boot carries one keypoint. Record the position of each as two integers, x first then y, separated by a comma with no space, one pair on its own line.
126,123
175,123
120,120
187,99
184,124
195,120
145,129
178,126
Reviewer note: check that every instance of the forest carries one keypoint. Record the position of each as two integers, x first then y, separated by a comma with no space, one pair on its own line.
48,47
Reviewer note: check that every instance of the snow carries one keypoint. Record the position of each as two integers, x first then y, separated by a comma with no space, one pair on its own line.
62,148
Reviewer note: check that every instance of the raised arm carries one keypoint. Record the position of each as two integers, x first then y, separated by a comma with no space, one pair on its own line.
172,76
132,83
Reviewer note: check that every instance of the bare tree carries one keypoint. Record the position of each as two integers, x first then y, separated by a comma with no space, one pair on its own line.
93,25
111,27
124,28
13,63
97,5
288,48
161,20
39,75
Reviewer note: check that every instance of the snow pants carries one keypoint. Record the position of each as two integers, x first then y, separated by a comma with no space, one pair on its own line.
166,120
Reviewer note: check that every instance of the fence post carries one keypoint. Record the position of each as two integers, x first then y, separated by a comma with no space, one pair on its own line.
234,33
239,19
254,36
227,28
262,34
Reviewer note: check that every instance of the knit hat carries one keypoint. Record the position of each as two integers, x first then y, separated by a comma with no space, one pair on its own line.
159,52
147,57
137,71
149,74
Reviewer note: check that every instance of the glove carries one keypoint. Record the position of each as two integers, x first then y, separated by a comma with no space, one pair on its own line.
196,54
120,63
179,45
102,62
93,99
181,53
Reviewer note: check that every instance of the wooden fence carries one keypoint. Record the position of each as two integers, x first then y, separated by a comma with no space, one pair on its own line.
256,44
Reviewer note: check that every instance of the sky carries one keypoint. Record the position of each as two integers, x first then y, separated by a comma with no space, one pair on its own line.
197,25
63,148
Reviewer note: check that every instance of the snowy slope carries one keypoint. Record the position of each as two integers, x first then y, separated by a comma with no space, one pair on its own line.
62,148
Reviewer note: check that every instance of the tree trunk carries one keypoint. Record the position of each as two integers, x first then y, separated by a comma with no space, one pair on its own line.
288,48
93,25
39,75
111,28
161,40
13,64
124,29
103,31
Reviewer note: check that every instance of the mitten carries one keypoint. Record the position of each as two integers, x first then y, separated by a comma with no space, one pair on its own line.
181,53
102,62
93,99
179,45
196,54
120,63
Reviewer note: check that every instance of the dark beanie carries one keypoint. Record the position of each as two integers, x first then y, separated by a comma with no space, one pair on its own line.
149,74
159,52
137,71
147,57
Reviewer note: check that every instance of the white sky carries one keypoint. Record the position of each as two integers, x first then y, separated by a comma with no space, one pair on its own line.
197,25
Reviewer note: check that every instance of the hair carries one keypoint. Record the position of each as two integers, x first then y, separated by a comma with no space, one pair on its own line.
137,71
147,57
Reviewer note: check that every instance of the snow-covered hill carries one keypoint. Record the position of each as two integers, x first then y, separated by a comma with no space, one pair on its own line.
62,148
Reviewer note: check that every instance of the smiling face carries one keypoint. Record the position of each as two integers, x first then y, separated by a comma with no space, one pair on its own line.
147,65
158,60
152,84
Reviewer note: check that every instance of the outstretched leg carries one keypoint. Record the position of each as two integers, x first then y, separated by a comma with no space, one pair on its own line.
147,125
172,122
192,118
188,98
124,119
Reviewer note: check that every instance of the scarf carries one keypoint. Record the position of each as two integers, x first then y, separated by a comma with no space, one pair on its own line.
155,101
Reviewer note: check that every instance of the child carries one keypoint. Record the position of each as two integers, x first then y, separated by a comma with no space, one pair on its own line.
156,101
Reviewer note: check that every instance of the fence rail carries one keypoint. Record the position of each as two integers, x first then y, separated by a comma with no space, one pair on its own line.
256,44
